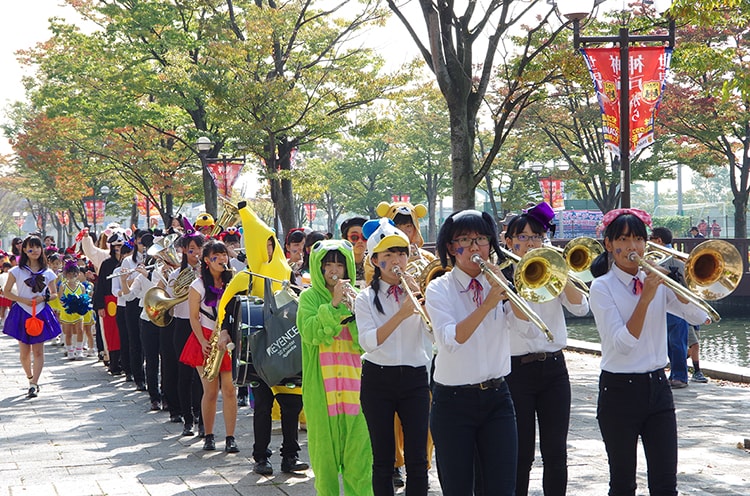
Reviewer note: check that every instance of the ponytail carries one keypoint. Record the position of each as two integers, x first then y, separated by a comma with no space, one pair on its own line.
375,285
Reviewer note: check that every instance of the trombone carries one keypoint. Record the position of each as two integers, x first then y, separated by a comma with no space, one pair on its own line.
579,253
417,306
678,288
514,298
540,275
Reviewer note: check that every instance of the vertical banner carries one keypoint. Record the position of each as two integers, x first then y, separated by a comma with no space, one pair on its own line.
146,207
63,217
225,174
311,210
649,67
92,207
552,192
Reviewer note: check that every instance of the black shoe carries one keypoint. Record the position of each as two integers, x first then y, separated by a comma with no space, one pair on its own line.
155,406
175,419
231,446
398,478
140,386
263,467
291,464
208,443
33,391
242,401
128,377
115,372
201,431
187,430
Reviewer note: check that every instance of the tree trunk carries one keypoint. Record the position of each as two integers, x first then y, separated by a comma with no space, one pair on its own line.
740,215
462,158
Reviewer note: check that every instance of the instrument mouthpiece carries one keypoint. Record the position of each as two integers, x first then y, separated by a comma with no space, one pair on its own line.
396,270
633,256
335,277
477,259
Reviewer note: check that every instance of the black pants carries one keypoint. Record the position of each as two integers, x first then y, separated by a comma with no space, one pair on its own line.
169,368
541,393
385,392
291,406
633,405
189,389
122,327
150,337
135,348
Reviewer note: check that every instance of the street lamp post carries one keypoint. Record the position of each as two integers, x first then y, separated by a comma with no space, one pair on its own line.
576,12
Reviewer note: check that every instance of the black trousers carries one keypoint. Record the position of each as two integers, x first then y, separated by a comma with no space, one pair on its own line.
386,391
122,328
541,393
632,406
291,406
169,368
150,337
135,348
189,389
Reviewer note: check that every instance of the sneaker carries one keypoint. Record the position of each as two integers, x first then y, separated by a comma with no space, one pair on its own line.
398,477
231,445
78,354
33,391
155,406
71,354
699,377
677,384
263,467
91,353
290,464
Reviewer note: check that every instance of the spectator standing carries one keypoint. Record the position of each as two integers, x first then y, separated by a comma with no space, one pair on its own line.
715,229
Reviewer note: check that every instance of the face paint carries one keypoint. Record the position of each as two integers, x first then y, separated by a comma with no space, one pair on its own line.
382,265
516,247
460,250
214,258
618,250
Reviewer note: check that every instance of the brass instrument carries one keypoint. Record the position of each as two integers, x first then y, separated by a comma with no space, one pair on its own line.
212,363
229,217
349,294
417,305
164,250
157,303
514,298
431,271
675,286
540,275
579,253
712,270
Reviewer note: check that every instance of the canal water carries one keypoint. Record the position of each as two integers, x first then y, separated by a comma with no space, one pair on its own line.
727,341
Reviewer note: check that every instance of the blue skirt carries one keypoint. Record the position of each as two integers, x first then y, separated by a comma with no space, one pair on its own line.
15,325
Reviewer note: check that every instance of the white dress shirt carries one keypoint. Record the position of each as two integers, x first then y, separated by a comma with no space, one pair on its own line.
409,344
138,289
182,309
486,354
527,338
613,302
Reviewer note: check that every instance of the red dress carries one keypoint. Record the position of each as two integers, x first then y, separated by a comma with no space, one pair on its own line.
192,353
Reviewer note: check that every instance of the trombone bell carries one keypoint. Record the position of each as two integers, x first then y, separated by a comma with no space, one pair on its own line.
541,275
713,270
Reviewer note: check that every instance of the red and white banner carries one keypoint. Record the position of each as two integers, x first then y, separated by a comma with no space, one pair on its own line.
552,192
63,217
225,174
93,207
146,205
649,67
311,210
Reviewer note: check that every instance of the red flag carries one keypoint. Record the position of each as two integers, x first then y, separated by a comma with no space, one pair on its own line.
225,174
94,206
552,192
648,70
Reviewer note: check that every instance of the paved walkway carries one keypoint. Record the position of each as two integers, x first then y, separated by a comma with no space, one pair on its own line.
90,434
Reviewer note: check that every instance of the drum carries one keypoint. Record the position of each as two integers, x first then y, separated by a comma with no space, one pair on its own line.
250,319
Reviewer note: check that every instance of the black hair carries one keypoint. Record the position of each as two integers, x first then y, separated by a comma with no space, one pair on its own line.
209,248
399,219
461,222
518,223
294,236
13,247
625,223
71,268
32,241
7,265
375,283
310,240
334,256
198,239
663,233
349,223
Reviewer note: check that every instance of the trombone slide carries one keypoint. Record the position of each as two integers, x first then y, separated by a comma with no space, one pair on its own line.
678,288
513,297
418,306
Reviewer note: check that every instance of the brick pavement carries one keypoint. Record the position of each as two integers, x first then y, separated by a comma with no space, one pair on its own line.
91,434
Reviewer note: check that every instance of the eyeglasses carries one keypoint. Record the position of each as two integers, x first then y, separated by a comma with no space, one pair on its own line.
355,237
525,237
466,242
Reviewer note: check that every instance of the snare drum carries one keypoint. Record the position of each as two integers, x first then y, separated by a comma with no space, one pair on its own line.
250,320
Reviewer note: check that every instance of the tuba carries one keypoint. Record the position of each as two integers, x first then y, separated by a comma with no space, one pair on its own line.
230,215
431,271
157,303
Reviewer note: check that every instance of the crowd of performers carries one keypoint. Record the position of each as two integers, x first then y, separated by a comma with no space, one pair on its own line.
392,371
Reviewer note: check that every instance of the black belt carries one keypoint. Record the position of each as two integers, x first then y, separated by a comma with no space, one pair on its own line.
537,357
489,384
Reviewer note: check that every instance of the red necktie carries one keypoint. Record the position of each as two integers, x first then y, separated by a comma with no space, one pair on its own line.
637,286
476,287
395,291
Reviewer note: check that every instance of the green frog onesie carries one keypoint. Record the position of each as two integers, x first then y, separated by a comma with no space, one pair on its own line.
337,436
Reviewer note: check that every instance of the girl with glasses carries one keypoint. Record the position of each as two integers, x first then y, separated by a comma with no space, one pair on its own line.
351,230
472,418
35,287
539,381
